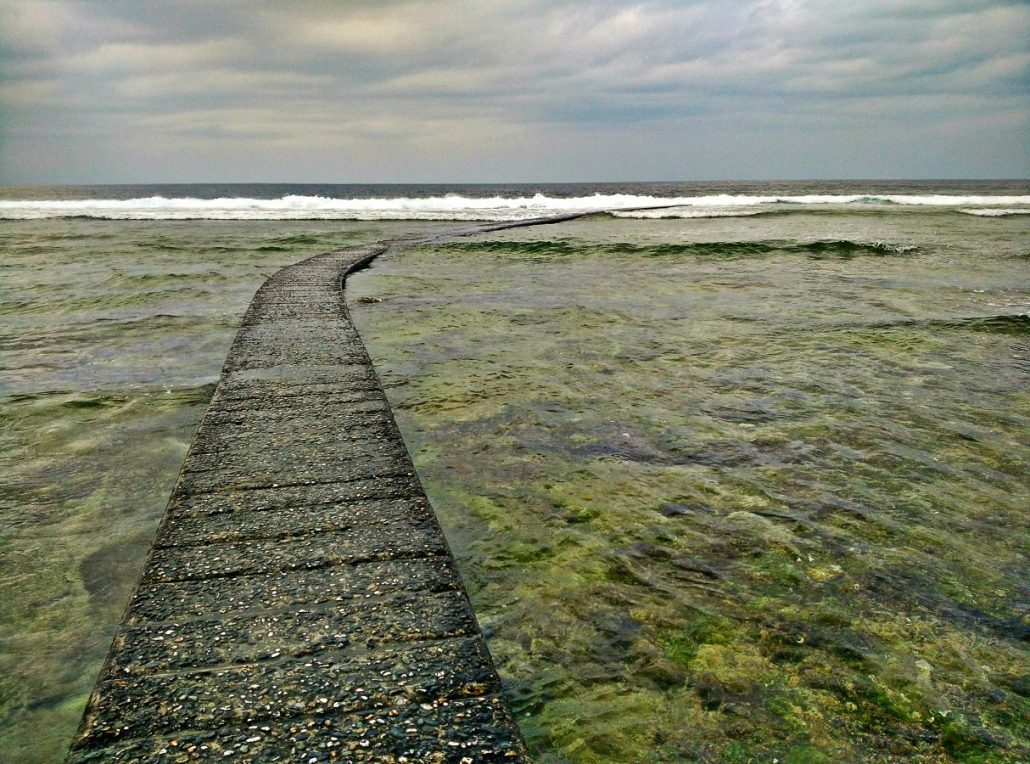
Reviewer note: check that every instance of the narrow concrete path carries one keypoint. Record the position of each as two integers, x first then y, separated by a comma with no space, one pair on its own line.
300,602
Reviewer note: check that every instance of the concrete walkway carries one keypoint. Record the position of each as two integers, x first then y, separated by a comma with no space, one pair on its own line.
300,603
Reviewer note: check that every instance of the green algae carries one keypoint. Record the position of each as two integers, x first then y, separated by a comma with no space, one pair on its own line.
64,583
761,505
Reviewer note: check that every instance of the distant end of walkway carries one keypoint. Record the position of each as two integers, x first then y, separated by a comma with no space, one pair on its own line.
300,602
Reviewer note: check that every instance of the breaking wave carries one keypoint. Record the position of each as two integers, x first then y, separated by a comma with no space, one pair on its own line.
685,213
995,212
465,208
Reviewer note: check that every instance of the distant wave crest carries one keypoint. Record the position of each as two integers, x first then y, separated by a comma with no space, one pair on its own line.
465,208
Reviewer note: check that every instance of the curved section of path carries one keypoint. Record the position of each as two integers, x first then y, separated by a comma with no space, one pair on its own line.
300,602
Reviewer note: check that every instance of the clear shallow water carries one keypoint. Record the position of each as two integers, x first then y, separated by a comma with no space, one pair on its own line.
112,338
637,434
732,489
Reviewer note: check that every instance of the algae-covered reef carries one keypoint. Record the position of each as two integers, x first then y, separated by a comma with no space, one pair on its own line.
727,494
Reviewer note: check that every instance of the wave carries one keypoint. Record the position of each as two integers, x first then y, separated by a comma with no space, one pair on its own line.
161,395
846,248
995,212
1014,324
681,213
203,277
459,208
816,250
548,249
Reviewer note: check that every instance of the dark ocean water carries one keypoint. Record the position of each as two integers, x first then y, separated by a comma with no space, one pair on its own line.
740,479
515,190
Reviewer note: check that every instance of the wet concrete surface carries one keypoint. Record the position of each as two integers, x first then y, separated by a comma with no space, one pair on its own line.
300,602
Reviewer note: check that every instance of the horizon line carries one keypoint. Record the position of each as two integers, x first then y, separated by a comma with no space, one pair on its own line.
34,184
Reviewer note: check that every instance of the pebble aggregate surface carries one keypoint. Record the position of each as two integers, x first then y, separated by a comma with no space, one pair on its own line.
300,602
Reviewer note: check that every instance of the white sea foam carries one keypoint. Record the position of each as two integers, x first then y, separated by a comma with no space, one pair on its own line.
995,212
686,212
455,207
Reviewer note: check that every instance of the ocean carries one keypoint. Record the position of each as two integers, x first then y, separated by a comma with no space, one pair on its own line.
733,471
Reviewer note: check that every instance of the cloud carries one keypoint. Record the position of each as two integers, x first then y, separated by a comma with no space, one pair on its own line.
132,57
398,81
363,33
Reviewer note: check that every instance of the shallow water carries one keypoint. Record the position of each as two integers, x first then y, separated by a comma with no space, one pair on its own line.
113,336
652,442
731,489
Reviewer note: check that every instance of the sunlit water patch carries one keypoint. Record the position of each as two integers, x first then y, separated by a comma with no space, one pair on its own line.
731,489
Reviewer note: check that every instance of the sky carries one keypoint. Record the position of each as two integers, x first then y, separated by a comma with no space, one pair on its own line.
111,91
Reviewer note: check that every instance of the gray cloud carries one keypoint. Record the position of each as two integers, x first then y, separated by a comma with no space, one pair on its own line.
454,90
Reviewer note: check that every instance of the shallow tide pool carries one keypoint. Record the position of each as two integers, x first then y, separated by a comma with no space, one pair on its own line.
731,489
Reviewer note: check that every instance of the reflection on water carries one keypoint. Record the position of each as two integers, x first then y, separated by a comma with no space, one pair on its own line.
111,339
731,490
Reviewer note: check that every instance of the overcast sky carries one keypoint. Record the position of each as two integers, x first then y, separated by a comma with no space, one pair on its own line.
463,91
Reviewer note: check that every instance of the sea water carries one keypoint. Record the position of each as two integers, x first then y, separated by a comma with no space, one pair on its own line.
739,476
